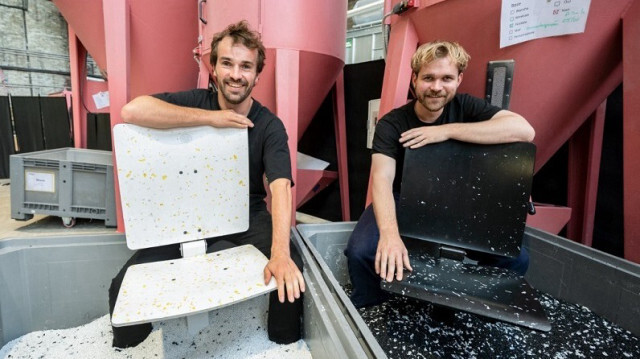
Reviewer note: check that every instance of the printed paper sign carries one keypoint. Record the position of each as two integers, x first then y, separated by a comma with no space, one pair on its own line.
524,20
101,99
40,181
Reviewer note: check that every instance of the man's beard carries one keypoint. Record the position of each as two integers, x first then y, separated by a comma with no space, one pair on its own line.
433,102
235,99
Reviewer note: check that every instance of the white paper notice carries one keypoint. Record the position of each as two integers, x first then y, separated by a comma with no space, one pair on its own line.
101,99
40,181
524,20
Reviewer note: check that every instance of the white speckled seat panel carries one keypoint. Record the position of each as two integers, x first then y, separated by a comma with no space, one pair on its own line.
187,286
177,186
182,184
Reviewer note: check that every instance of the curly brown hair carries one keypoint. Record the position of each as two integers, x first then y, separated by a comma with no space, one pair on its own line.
240,33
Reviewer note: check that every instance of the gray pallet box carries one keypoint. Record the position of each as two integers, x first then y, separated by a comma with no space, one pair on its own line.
67,182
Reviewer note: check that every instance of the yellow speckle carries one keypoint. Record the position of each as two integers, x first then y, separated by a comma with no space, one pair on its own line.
142,159
164,177
235,157
128,174
241,183
144,175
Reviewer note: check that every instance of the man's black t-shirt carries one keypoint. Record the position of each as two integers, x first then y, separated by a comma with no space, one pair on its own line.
268,149
462,108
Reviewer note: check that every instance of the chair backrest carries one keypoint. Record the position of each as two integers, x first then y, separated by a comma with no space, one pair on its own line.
467,196
182,184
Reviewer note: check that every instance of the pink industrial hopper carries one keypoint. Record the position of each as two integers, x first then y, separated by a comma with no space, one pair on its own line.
305,56
560,85
146,46
147,51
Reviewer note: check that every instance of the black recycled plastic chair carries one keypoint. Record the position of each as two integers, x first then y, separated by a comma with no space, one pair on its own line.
459,201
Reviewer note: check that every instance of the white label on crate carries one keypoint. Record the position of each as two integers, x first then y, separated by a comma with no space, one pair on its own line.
40,181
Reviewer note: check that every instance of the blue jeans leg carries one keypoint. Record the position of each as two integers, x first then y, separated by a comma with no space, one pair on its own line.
361,254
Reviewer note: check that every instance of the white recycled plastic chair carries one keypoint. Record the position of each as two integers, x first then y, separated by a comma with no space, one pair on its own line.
182,186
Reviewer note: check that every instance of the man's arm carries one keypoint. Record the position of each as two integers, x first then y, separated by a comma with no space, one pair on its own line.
391,256
280,265
504,127
149,111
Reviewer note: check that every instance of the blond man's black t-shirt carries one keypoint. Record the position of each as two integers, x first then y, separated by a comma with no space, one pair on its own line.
462,108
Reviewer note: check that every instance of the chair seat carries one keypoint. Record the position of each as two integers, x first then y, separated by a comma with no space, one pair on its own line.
466,197
192,285
488,291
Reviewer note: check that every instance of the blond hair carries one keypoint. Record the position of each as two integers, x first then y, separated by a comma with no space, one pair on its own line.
429,52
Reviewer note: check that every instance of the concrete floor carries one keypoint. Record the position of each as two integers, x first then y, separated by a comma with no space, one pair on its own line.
40,224
51,225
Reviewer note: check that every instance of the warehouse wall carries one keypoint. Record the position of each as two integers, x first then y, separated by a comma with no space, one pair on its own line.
34,52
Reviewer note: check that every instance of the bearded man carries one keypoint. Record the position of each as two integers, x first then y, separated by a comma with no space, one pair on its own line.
375,250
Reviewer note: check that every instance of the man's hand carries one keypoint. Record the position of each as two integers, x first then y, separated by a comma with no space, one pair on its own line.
229,118
421,136
391,257
287,274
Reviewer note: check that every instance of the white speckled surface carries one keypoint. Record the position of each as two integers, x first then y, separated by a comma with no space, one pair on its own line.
187,286
182,184
238,331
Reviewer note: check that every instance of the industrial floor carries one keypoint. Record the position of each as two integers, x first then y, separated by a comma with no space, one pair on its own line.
40,225
50,225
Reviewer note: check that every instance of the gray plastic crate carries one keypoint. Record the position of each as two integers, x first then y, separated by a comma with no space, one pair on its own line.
607,285
67,182
326,243
61,282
